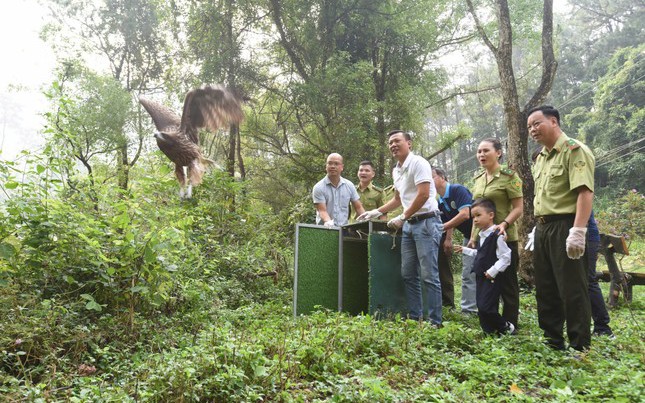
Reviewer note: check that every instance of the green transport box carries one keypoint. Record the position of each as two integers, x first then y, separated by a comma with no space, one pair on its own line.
354,269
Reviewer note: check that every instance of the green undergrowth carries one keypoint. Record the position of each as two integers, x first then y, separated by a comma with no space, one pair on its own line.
261,353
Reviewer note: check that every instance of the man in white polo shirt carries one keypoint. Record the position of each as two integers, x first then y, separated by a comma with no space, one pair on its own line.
421,225
333,193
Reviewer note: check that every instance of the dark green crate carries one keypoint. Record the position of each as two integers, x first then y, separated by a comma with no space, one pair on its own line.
355,276
386,290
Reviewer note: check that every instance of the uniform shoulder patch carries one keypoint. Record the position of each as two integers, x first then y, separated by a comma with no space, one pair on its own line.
571,143
378,189
507,171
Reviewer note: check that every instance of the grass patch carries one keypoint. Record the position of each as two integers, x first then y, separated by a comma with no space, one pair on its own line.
260,353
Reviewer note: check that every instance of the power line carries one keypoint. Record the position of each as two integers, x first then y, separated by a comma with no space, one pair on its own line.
621,156
618,149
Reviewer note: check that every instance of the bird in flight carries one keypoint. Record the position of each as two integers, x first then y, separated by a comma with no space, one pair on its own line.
210,107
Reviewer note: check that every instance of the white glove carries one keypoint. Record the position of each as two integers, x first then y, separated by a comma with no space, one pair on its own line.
396,222
369,215
530,240
576,242
329,224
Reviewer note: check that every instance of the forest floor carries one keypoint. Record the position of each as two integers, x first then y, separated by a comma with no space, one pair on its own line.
262,353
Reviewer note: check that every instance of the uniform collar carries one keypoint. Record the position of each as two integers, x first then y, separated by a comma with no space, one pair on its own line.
369,187
560,143
495,173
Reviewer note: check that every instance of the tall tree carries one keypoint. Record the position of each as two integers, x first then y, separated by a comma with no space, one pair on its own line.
357,69
514,112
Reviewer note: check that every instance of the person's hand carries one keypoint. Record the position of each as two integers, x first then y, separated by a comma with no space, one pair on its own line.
530,240
471,244
501,230
447,246
369,215
397,222
329,224
576,242
458,248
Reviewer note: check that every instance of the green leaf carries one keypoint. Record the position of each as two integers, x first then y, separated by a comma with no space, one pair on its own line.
93,306
11,184
7,251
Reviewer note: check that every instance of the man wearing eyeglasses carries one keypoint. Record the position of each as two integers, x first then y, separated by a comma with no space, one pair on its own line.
333,194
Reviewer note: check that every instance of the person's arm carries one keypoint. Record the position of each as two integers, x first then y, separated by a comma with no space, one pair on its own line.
471,241
466,251
321,208
381,212
423,194
576,241
516,212
503,258
463,215
583,206
447,243
394,202
358,206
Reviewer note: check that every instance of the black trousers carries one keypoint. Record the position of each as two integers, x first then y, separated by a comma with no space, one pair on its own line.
511,287
488,294
561,287
445,277
598,308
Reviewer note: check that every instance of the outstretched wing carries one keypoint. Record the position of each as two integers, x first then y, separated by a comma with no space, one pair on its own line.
210,107
162,116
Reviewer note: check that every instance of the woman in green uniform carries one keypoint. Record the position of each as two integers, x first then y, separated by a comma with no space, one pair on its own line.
504,187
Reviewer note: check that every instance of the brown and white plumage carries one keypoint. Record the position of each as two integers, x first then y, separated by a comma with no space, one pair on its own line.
209,107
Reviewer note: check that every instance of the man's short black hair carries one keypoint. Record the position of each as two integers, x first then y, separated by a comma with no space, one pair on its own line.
486,204
547,110
367,162
406,135
440,173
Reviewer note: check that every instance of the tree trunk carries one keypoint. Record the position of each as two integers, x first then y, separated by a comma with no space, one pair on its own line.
514,116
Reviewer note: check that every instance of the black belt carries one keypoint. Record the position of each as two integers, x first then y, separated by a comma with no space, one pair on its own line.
543,219
421,217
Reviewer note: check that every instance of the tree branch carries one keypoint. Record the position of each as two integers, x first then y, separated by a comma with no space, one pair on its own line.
549,64
480,28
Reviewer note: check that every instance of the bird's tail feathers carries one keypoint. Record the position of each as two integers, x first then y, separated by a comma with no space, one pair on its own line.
197,171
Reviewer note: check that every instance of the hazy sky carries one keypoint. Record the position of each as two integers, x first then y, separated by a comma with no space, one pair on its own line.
26,66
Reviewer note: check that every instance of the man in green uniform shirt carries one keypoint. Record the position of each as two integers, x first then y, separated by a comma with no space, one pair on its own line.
371,195
564,185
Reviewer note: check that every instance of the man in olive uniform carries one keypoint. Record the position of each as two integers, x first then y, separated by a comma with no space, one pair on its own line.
564,187
371,195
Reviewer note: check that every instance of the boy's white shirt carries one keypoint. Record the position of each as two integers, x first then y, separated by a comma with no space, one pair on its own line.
502,250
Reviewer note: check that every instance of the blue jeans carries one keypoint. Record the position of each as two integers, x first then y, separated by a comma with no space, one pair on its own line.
468,283
419,254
